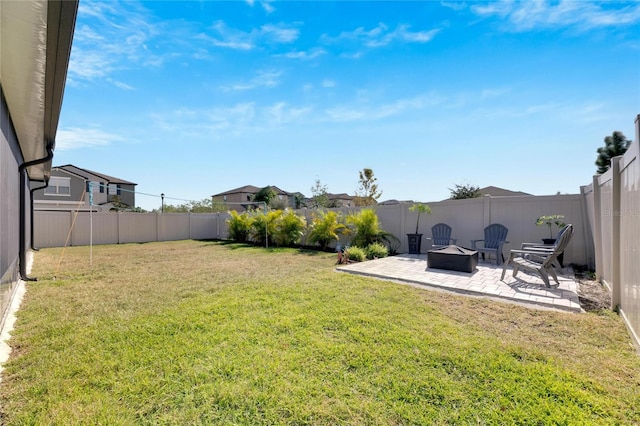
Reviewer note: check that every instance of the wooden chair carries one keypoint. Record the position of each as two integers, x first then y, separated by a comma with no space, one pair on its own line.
495,236
542,262
441,235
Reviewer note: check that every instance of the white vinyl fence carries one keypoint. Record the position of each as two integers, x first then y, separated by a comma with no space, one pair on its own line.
468,218
58,228
613,200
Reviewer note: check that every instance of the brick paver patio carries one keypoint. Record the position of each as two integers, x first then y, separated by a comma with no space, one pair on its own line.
525,289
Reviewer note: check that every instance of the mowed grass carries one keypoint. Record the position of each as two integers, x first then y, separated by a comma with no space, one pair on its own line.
194,332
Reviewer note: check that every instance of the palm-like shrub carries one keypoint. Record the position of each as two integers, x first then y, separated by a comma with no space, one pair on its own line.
240,225
364,228
289,228
325,228
263,226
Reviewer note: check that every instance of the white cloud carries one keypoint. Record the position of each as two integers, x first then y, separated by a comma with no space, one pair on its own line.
381,35
328,83
263,79
280,33
454,5
230,38
582,15
281,113
76,138
305,55
267,7
108,39
359,113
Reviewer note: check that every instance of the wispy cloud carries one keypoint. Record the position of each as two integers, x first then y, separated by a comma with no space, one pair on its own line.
247,40
266,5
263,79
305,55
381,35
76,137
454,5
581,15
230,38
110,40
282,113
376,112
280,33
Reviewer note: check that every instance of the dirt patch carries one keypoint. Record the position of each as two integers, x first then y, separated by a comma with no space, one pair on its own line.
593,295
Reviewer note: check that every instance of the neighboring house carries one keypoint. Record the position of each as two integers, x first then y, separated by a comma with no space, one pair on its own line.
35,45
241,199
495,191
69,190
340,200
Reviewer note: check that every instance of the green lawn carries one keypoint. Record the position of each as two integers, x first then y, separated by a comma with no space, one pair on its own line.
194,332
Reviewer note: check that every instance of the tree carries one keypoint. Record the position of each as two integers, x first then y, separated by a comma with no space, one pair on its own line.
266,195
460,192
367,193
319,195
614,145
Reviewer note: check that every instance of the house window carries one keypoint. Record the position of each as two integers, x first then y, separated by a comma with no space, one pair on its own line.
102,187
113,190
59,186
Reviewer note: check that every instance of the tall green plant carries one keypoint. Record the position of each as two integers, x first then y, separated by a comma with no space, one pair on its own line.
325,228
263,226
240,225
289,228
365,229
420,208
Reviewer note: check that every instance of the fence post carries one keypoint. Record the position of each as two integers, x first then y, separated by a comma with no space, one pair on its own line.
615,231
597,222
486,206
157,226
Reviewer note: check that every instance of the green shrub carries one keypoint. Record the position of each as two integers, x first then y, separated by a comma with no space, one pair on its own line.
325,227
289,228
376,251
263,226
356,253
365,229
239,226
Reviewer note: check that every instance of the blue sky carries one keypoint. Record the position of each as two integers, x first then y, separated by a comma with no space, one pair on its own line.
193,98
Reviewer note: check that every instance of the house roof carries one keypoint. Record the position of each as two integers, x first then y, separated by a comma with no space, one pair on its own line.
91,175
495,191
342,196
34,57
250,189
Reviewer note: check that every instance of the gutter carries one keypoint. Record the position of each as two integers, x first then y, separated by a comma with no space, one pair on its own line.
31,191
23,182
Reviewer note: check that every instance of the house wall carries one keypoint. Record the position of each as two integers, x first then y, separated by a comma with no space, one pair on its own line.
128,194
10,159
233,201
60,201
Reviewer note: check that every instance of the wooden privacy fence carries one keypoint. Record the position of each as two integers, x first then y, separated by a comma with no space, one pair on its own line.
613,204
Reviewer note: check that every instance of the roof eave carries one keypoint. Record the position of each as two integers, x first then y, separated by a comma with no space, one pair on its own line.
35,45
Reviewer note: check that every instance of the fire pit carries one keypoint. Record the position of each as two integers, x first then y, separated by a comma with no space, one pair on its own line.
452,258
